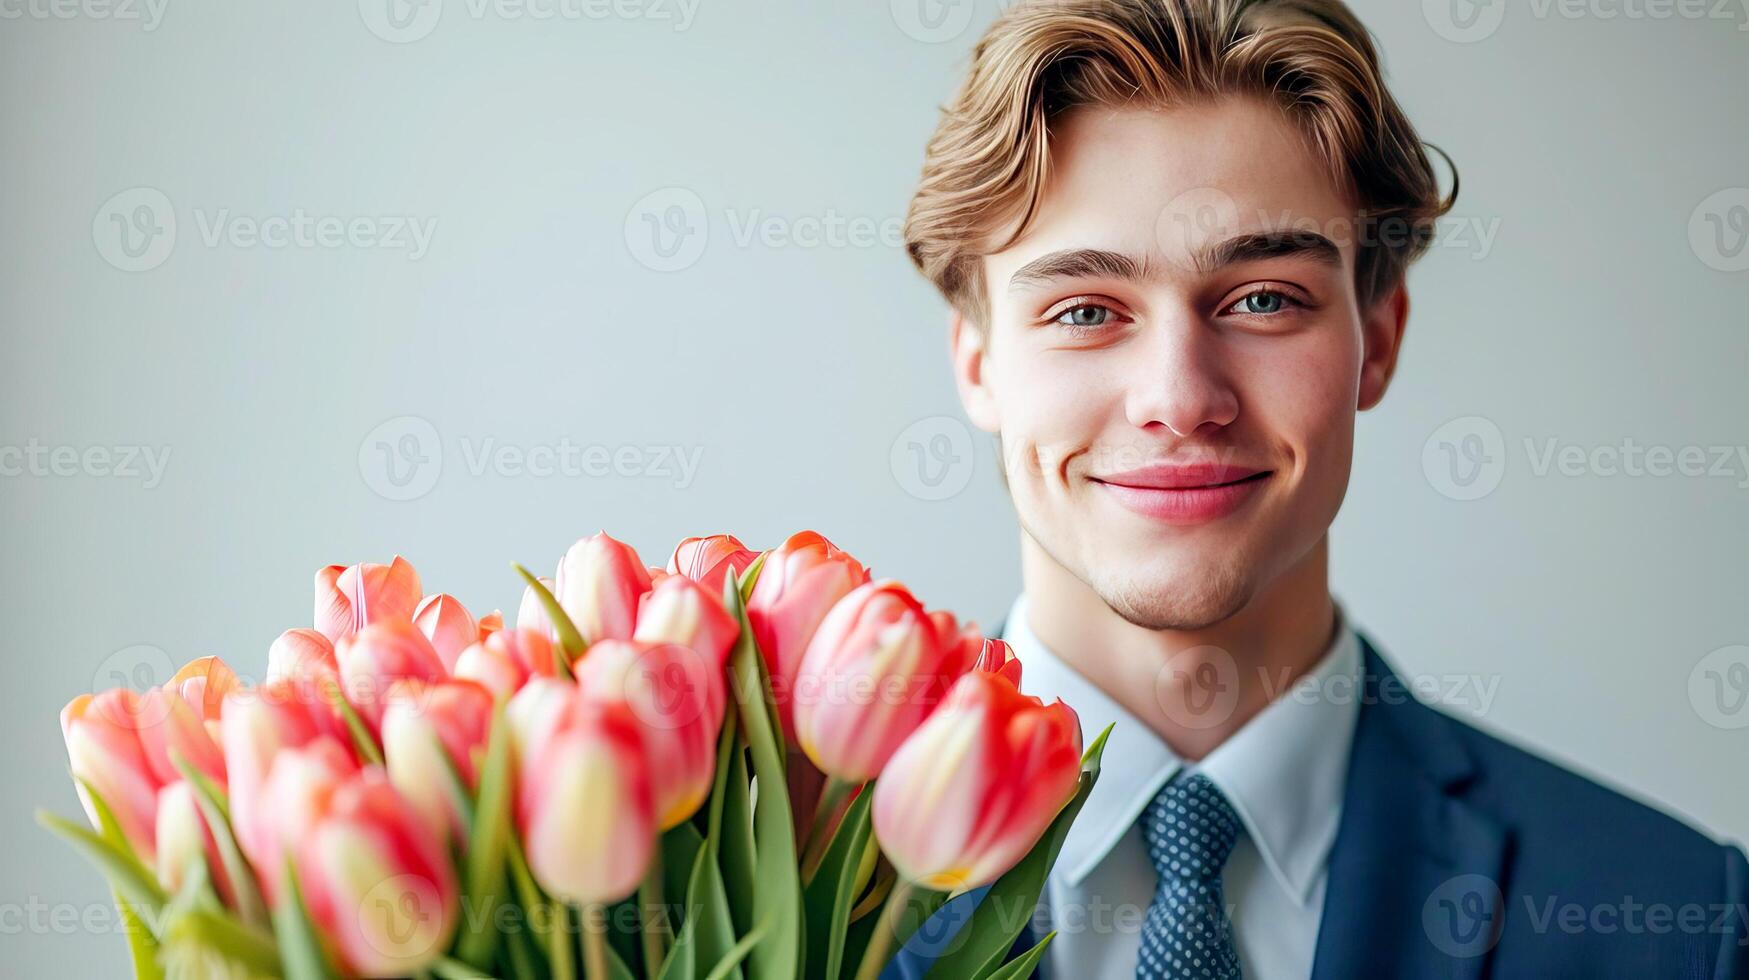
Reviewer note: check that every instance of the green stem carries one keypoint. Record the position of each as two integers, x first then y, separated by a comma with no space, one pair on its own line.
594,943
559,942
818,837
880,945
655,931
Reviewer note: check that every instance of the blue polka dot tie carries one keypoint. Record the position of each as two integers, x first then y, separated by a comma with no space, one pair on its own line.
1190,829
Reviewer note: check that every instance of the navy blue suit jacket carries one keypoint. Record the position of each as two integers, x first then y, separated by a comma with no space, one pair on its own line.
1460,856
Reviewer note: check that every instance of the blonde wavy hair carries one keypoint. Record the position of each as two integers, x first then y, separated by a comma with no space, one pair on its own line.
986,164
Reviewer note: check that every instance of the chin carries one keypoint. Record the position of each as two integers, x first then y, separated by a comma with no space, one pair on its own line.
1176,591
1178,602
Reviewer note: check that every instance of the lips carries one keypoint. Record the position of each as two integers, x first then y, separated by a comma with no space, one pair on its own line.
1184,493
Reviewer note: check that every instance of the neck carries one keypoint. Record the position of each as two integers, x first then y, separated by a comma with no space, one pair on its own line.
1193,688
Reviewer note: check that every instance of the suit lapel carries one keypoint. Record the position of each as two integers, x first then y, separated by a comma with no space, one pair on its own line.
1415,874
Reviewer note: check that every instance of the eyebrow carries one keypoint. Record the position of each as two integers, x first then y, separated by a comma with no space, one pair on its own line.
1076,263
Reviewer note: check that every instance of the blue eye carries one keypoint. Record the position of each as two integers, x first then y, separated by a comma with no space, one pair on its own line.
1264,302
1085,316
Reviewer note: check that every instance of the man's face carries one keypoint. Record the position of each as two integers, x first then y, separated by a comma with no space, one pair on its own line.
1173,362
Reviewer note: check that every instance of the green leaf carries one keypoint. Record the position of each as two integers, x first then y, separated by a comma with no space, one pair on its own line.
777,899
137,893
245,946
749,579
483,878
1022,966
300,951
734,839
709,933
452,969
362,739
1009,905
249,902
681,963
133,884
142,948
570,640
731,963
680,847
831,894
528,894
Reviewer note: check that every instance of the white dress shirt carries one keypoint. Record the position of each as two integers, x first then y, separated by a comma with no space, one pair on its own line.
1283,772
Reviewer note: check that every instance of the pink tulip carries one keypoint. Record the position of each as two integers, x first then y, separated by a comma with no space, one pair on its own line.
182,719
798,584
976,786
531,613
379,886
875,669
490,623
374,658
997,657
506,660
536,709
183,837
302,654
448,625
679,696
491,670
709,560
430,731
961,645
299,784
104,751
600,585
257,726
682,611
584,803
349,599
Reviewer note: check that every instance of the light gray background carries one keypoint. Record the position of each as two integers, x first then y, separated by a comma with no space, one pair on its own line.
1572,609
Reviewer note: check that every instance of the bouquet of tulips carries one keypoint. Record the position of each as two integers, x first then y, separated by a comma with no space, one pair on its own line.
761,765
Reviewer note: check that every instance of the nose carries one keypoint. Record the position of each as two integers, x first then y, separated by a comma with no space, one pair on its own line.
1179,380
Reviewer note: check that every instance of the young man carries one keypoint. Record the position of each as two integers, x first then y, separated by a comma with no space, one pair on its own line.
1174,234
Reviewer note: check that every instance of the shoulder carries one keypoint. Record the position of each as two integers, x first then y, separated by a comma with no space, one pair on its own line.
1569,829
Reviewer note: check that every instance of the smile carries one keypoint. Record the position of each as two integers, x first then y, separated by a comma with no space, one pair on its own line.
1184,496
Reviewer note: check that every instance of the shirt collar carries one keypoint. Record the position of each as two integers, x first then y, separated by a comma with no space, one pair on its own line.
1284,771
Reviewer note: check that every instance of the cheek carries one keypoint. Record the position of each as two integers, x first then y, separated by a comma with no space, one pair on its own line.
1302,395
1051,405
